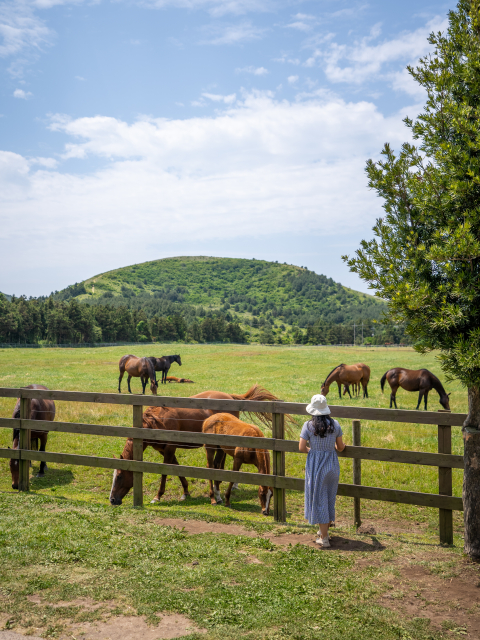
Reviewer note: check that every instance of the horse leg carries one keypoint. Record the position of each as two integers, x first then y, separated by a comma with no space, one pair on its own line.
340,390
426,398
237,463
128,383
218,463
210,464
120,378
183,481
420,395
144,383
43,464
393,397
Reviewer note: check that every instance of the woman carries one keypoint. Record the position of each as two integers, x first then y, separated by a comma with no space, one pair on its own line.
322,470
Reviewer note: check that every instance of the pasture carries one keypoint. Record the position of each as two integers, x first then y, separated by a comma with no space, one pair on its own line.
240,584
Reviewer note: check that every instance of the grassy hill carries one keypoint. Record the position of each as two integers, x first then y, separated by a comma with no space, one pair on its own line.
245,289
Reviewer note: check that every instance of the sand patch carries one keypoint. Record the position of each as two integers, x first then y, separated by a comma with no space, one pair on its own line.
11,635
133,628
85,603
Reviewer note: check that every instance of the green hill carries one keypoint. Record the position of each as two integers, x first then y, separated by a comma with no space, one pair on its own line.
245,289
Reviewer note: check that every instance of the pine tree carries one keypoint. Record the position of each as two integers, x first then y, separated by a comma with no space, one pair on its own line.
425,258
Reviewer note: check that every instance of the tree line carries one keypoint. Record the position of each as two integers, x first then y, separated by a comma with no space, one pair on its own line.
35,321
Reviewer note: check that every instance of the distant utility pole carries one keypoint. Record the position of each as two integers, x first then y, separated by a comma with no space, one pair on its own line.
353,334
362,331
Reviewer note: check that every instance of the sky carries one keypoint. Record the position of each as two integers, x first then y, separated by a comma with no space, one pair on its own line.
132,130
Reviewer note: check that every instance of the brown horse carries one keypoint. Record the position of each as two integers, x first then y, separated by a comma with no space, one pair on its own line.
363,382
420,380
178,420
228,425
37,410
180,380
139,368
345,374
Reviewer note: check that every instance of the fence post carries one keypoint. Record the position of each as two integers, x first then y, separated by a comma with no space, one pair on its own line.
137,455
445,516
357,470
24,443
279,504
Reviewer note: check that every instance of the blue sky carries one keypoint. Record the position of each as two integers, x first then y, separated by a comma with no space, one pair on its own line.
131,131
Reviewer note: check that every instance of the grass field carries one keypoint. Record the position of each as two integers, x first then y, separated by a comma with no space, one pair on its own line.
65,541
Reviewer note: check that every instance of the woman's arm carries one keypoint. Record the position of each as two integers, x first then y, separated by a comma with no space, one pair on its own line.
302,446
339,444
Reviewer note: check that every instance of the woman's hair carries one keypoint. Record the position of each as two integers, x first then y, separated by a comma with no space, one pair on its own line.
322,425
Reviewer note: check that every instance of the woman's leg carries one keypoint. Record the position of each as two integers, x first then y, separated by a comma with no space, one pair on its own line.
324,529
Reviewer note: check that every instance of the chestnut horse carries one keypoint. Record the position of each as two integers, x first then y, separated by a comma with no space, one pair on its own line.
180,380
364,381
346,374
163,364
139,368
421,380
227,425
37,410
178,420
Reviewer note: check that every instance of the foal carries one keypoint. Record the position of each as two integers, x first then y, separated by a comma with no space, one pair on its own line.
226,424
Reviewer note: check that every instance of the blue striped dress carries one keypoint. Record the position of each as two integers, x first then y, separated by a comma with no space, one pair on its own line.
322,473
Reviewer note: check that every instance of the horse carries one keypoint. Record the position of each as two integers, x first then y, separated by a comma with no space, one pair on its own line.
345,374
364,381
421,380
226,424
179,380
163,364
179,420
38,409
139,368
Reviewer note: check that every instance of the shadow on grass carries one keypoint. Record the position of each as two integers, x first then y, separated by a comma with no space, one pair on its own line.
52,478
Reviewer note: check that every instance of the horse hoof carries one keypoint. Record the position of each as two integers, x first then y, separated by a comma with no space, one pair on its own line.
220,501
185,496
154,501
40,475
235,487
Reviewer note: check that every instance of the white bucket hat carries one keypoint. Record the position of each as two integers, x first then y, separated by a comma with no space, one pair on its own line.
318,406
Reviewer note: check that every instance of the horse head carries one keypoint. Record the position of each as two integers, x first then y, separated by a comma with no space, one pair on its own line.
445,401
265,496
15,471
121,485
178,359
325,388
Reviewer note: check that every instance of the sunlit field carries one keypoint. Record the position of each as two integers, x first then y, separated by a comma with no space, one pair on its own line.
292,373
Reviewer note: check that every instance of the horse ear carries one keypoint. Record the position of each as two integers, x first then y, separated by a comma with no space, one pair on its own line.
449,394
121,456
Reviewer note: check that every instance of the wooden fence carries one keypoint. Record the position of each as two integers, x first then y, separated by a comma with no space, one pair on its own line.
444,460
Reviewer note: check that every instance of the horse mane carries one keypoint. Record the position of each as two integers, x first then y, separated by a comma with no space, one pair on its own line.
259,393
334,369
436,384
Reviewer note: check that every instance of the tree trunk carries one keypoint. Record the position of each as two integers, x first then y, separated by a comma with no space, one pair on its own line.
471,478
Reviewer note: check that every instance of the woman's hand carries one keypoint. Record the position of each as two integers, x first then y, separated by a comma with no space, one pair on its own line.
302,446
339,444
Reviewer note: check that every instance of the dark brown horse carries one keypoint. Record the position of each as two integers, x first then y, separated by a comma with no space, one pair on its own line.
163,364
420,380
345,374
138,368
178,420
37,410
228,425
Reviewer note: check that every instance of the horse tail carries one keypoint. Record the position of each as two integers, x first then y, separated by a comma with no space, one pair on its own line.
382,381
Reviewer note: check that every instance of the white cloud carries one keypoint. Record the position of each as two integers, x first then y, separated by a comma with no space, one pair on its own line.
292,79
22,35
364,60
216,8
256,71
232,33
303,22
23,95
259,166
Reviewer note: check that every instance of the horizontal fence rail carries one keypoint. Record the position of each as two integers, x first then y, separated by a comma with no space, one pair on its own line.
444,460
356,413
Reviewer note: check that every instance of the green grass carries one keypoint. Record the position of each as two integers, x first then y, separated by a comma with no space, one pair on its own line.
292,373
64,541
